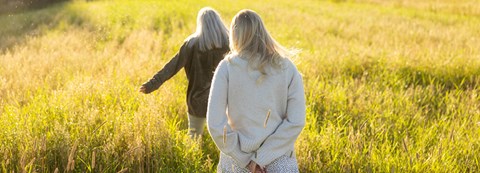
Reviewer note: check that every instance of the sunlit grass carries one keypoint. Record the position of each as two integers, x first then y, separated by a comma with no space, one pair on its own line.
390,86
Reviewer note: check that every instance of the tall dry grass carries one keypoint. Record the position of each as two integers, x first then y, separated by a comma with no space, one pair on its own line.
390,86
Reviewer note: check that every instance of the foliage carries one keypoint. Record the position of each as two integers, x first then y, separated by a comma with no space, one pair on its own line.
391,86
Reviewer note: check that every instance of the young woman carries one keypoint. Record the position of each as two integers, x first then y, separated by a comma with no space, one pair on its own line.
199,55
256,106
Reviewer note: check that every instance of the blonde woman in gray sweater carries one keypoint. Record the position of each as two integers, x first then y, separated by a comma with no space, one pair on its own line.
256,106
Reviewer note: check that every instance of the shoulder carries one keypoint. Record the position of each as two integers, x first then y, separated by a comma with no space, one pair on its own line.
221,70
291,70
231,61
190,41
223,65
289,65
235,59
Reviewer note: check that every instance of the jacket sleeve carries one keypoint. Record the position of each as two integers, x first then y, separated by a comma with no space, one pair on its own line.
289,129
170,69
224,137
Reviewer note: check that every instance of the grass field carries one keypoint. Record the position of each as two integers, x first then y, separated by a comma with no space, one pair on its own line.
391,86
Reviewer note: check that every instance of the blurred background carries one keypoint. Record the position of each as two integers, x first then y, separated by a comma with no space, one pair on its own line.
11,6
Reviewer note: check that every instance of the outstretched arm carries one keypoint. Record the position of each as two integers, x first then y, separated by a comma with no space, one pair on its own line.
169,70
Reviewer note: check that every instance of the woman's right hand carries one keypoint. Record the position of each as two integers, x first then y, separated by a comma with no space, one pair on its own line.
255,168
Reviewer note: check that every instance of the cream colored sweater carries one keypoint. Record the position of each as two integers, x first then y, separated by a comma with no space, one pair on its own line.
255,121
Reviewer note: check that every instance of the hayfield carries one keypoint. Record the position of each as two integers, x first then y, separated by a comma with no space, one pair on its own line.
391,86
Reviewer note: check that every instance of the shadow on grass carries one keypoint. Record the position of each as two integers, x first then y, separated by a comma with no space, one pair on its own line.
18,6
18,27
446,80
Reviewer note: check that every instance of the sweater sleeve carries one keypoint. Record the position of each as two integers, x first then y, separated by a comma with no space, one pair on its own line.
170,69
289,129
224,137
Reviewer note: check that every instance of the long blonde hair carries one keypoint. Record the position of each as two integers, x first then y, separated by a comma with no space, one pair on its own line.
250,39
211,32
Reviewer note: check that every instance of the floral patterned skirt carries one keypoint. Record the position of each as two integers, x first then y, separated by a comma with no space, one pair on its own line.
282,164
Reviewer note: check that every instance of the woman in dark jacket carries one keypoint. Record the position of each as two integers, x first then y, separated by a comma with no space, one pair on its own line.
199,55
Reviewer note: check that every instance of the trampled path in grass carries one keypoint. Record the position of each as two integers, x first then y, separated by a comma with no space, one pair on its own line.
390,86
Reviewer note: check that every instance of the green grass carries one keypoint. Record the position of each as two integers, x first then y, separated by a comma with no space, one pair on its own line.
391,86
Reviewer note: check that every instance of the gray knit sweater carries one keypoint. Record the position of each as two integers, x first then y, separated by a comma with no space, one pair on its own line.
255,121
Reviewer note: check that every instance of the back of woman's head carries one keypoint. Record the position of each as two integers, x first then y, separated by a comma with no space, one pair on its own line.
211,32
250,39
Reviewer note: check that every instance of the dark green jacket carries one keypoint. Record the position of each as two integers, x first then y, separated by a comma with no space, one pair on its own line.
199,67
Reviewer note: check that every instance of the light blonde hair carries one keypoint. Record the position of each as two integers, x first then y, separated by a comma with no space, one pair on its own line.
211,32
250,39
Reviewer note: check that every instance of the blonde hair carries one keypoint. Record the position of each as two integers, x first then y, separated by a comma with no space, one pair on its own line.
250,39
211,32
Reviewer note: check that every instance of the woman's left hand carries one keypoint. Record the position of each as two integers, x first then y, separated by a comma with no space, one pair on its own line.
143,89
